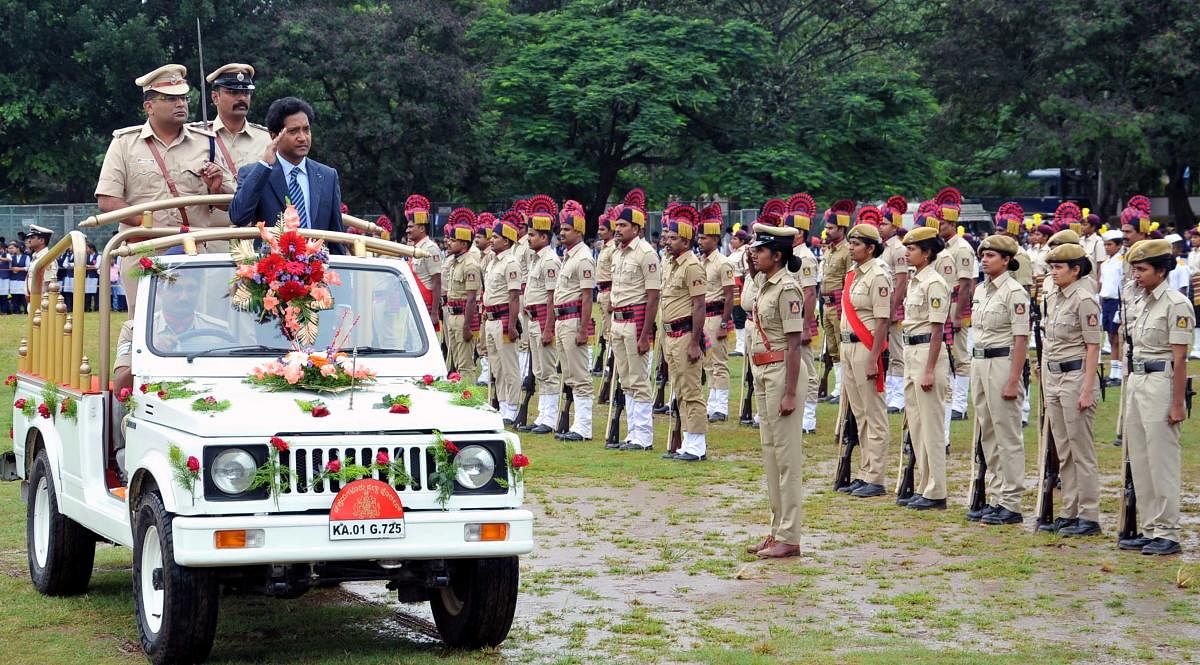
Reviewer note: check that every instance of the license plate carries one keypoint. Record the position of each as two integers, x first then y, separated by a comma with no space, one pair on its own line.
365,529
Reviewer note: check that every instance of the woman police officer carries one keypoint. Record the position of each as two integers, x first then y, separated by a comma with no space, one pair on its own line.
1000,325
1161,329
779,375
1072,338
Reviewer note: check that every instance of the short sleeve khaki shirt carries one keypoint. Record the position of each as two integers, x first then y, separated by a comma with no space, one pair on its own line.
718,274
502,276
806,276
425,268
1164,318
835,263
636,270
1072,322
543,276
870,295
927,302
778,310
685,281
464,276
576,276
1000,312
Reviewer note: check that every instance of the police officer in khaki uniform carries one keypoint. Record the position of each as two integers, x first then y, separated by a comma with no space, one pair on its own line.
463,282
1072,337
801,209
835,261
239,141
608,245
483,244
926,367
161,159
685,340
1009,218
1155,408
539,312
573,318
718,312
957,266
501,298
866,316
637,280
1000,323
428,269
779,381
895,262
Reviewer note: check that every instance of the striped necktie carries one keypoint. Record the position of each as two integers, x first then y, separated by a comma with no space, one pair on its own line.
297,196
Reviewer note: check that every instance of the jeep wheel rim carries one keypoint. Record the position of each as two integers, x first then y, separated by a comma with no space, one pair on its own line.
152,599
41,522
451,601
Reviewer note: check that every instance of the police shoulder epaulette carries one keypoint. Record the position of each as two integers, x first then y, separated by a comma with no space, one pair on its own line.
200,129
199,124
127,130
257,126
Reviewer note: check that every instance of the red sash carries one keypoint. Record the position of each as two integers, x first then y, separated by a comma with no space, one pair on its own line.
426,294
860,328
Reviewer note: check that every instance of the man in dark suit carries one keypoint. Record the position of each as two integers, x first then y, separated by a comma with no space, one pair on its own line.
286,173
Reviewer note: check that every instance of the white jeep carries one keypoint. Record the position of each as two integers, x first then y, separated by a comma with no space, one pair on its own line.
94,469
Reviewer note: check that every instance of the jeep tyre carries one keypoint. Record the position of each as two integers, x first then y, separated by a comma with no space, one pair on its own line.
176,605
476,609
61,551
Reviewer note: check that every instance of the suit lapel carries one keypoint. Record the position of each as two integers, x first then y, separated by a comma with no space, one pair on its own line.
278,184
316,185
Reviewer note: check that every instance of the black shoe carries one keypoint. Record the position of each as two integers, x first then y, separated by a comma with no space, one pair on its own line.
735,354
541,429
1081,527
662,410
1136,543
957,415
868,490
833,399
1117,441
927,504
669,455
1058,524
525,428
633,446
810,431
1024,423
612,445
688,457
508,422
1002,515
854,484
1112,382
1162,547
572,436
976,515
908,500
481,384
717,417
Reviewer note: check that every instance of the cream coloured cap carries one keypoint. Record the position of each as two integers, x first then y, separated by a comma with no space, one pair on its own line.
168,79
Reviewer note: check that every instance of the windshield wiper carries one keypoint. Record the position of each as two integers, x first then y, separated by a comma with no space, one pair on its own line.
372,351
235,351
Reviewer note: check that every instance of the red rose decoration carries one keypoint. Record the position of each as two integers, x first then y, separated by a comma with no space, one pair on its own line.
193,464
382,458
43,411
11,380
455,377
162,394
210,400
184,229
62,408
520,461
320,411
279,444
292,290
20,404
450,447
145,387
145,263
333,466
123,395
466,394
428,379
398,408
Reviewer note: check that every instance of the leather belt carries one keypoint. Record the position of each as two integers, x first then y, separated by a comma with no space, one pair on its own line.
849,338
827,299
994,352
913,340
455,310
1068,366
714,308
561,310
604,286
1150,366
767,357
623,316
678,325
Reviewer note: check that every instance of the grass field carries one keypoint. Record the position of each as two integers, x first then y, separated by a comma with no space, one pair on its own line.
642,560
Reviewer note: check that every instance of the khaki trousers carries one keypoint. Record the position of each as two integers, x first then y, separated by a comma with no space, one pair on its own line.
605,300
1154,454
926,412
685,383
573,359
869,409
460,350
717,361
895,350
831,329
1072,430
502,358
809,359
962,356
999,422
783,450
545,361
630,365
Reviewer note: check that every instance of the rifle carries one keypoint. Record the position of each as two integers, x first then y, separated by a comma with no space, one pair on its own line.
904,478
675,436
494,398
606,384
527,390
566,398
1127,523
977,494
660,380
616,401
747,414
1188,394
1100,380
823,385
1048,462
599,366
846,435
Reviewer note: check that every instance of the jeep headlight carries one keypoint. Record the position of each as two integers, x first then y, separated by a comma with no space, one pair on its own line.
233,471
476,466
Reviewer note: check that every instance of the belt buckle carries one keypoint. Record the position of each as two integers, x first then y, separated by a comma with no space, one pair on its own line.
979,353
1139,366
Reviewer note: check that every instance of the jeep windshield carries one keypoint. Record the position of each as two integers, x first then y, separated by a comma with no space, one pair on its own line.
192,316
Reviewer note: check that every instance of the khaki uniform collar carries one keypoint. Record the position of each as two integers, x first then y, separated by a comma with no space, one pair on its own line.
185,134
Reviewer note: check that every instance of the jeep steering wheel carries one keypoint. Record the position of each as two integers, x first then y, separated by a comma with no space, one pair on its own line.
205,332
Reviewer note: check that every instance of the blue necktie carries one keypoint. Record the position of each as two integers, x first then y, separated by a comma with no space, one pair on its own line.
297,196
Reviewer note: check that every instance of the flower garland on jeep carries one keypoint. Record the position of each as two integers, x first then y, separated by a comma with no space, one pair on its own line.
150,265
516,466
271,473
394,469
463,396
166,390
69,409
25,406
331,371
186,470
445,457
210,404
287,280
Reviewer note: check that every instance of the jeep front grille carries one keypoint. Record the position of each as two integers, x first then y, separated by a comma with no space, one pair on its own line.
307,463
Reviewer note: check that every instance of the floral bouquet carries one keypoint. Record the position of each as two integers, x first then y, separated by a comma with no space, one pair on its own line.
331,371
287,280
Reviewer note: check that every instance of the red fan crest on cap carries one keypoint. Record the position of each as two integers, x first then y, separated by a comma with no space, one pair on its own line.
770,219
1067,212
416,202
926,207
948,196
485,219
671,206
384,222
512,217
1010,210
774,207
711,213
683,213
461,216
542,204
845,206
802,203
869,215
1139,203
521,206
636,198
897,203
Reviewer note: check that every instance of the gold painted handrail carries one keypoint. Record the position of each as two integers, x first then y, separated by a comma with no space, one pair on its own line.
54,352
115,216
